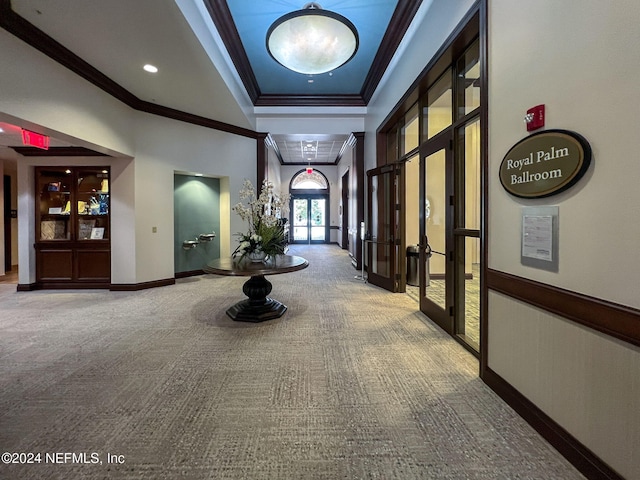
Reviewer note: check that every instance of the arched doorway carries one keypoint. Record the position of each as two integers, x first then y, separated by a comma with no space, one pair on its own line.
309,210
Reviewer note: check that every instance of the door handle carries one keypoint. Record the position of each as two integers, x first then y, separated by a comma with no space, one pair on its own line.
426,247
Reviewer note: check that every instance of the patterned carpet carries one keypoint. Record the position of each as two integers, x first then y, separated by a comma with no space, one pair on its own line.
351,383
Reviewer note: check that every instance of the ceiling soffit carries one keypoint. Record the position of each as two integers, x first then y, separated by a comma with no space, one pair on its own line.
36,38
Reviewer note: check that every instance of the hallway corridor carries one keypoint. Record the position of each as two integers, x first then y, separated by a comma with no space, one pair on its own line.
351,383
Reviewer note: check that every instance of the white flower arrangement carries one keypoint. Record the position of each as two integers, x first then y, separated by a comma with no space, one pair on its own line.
264,214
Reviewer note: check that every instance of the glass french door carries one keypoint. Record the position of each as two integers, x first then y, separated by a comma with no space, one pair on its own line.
383,220
310,219
449,268
436,248
450,200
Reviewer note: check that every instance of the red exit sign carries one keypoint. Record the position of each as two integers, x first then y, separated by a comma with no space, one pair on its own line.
34,139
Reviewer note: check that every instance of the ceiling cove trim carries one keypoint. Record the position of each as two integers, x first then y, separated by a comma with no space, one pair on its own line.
36,38
398,25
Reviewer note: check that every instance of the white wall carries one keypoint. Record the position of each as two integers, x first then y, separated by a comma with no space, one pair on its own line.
273,171
316,120
142,194
583,65
58,102
164,146
41,94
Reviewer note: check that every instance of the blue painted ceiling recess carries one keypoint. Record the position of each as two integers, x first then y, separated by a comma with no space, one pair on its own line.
253,19
243,26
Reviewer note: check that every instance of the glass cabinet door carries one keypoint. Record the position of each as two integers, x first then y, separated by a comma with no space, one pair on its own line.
73,204
93,204
54,195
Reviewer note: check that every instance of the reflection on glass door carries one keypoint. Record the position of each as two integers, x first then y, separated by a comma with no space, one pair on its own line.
435,213
300,219
318,219
309,220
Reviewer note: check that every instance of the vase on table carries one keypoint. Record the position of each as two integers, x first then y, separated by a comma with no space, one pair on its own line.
257,256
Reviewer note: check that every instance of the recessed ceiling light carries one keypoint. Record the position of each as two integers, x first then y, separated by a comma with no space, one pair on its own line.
198,174
1,129
150,68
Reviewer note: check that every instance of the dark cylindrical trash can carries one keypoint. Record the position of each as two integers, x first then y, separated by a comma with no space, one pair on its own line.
413,257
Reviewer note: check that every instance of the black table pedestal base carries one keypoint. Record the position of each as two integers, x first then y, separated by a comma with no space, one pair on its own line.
259,307
244,311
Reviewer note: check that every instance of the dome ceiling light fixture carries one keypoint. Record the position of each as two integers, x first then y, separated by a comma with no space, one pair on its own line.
312,40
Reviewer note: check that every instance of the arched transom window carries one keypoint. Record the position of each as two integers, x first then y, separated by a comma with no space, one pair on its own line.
309,181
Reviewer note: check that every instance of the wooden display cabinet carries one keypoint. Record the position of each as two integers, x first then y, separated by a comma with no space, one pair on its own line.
73,248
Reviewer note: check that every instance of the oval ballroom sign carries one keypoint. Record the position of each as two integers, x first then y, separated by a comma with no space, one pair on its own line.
545,163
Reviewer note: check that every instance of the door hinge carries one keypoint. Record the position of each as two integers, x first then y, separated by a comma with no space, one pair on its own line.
451,144
451,256
451,311
451,200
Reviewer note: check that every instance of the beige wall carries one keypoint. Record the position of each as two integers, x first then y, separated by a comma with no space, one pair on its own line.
580,59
